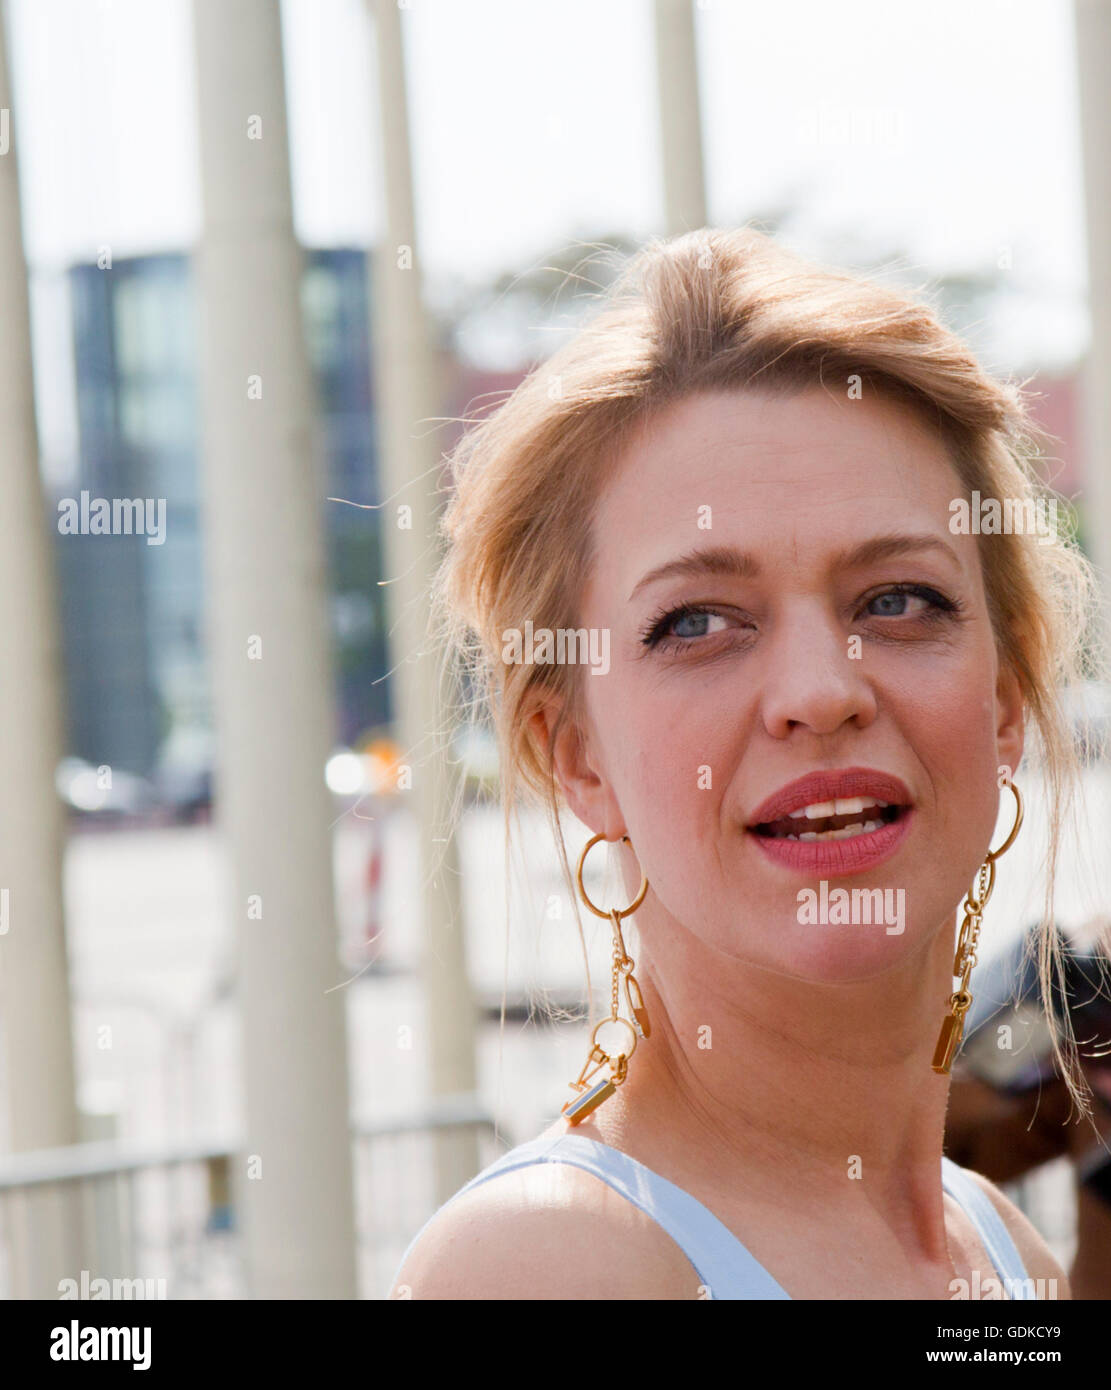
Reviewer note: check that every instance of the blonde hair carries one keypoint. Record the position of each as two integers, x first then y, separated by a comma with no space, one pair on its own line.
734,310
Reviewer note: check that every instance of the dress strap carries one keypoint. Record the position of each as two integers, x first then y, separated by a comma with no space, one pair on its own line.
726,1269
984,1215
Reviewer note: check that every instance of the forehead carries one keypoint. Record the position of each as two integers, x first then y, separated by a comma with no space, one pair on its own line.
806,472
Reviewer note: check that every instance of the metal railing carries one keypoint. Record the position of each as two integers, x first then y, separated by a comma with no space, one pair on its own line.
159,1221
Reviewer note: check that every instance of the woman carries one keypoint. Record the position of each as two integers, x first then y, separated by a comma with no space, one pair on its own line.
746,474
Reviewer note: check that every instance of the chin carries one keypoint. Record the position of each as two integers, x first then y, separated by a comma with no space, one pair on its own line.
842,955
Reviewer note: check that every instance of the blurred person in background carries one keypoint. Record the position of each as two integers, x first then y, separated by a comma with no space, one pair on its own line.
1010,1113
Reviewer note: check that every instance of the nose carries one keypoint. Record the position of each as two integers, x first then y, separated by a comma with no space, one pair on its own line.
814,676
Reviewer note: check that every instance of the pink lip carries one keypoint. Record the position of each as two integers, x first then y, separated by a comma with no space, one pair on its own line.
835,857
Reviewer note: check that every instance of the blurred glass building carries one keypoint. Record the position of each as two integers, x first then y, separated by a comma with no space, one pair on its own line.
133,613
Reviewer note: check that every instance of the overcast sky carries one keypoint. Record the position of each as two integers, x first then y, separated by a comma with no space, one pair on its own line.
947,128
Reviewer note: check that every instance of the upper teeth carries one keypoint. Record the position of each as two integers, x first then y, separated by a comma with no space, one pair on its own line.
850,805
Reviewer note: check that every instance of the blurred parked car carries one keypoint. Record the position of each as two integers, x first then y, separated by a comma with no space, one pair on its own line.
103,791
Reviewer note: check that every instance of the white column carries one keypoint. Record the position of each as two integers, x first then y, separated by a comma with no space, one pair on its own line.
38,1073
680,123
408,400
1093,54
264,486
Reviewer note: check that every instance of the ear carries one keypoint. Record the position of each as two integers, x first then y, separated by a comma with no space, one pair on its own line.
577,771
1010,727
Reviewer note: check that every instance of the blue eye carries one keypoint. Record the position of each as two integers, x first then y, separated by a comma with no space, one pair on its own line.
894,605
682,625
692,624
894,602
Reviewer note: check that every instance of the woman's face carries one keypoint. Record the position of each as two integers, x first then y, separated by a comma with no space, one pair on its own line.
784,599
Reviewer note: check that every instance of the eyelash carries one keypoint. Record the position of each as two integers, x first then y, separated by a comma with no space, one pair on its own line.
655,632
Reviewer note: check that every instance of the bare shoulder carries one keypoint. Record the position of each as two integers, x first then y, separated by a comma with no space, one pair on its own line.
1036,1254
546,1231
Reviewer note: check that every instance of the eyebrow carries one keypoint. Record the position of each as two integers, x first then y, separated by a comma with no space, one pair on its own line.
739,564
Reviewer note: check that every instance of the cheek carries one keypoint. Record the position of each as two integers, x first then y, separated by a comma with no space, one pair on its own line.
949,719
949,723
671,760
671,767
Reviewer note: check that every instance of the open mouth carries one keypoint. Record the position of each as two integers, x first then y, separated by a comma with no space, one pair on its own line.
842,819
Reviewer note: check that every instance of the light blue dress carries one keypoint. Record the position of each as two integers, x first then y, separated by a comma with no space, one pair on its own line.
724,1266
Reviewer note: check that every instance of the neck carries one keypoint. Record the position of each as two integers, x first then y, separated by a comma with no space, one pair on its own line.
754,1072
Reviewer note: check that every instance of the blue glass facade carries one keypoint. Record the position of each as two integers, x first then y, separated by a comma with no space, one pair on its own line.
133,614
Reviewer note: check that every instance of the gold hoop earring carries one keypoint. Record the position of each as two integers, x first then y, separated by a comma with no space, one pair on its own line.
960,1001
588,1097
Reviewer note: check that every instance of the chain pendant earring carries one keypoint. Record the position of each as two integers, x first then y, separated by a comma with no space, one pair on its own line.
590,1093
960,1001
